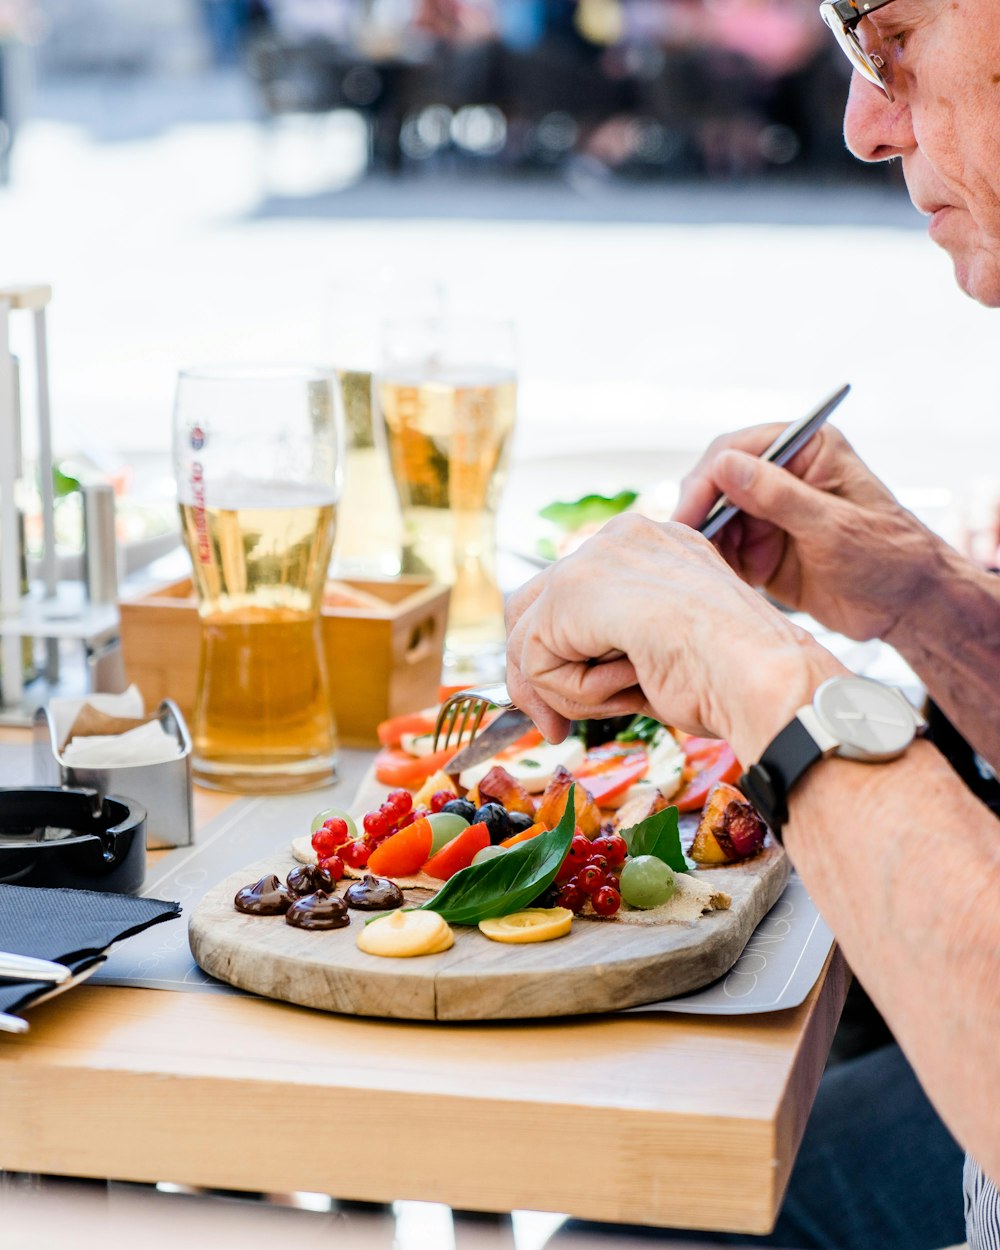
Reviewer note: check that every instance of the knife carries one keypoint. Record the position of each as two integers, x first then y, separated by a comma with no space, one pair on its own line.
26,968
507,728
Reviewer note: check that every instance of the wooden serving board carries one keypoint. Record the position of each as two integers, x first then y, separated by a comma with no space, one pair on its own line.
601,965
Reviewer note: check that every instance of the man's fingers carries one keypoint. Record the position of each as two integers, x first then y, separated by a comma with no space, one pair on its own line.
551,724
771,493
700,488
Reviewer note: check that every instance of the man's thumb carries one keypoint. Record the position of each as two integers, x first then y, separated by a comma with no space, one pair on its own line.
768,492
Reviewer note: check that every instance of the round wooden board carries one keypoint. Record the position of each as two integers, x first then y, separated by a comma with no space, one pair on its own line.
599,966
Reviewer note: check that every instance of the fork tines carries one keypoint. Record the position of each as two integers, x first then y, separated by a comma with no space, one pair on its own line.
471,705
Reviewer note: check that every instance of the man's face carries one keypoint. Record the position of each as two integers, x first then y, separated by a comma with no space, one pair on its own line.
943,60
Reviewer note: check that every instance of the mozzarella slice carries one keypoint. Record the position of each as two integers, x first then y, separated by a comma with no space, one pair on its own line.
534,767
666,769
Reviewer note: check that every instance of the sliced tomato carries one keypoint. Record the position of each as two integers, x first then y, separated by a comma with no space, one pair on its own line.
458,853
390,732
608,771
708,760
404,853
397,768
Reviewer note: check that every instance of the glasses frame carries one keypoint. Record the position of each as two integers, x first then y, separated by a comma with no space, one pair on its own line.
843,16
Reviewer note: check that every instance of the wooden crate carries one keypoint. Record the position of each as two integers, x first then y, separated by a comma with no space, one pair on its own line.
384,642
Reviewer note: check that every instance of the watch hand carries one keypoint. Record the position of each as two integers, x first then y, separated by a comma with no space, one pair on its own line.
887,720
849,716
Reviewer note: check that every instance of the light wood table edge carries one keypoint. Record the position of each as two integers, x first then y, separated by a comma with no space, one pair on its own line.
91,1093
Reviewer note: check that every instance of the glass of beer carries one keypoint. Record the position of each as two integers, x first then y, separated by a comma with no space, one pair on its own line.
446,393
258,454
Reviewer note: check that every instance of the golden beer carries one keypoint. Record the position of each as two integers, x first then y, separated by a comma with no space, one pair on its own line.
368,524
263,720
448,434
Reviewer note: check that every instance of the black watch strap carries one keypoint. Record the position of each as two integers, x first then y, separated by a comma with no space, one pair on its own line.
768,782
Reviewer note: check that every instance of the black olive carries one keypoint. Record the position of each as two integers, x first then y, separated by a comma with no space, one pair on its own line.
461,807
519,821
496,820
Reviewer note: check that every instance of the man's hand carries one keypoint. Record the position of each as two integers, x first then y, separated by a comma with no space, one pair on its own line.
823,535
648,618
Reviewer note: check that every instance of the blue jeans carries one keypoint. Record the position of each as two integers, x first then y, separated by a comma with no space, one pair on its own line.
877,1171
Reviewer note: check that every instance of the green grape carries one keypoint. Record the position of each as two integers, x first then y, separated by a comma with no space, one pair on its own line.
330,812
444,827
488,852
647,882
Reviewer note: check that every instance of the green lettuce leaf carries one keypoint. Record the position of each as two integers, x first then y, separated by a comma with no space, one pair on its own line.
573,515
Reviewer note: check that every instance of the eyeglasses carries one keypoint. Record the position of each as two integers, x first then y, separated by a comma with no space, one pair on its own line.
843,16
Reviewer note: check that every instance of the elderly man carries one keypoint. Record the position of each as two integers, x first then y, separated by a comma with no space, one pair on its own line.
901,858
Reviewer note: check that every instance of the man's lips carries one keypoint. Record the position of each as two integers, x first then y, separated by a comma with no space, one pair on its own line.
938,216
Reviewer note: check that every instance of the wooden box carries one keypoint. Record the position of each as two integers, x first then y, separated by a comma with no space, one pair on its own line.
384,642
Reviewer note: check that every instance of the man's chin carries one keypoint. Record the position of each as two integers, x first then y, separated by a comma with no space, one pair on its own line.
979,279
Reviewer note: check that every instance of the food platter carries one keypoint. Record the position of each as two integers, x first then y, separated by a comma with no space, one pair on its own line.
600,966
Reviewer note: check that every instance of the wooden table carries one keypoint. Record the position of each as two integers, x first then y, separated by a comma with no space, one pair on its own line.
695,1120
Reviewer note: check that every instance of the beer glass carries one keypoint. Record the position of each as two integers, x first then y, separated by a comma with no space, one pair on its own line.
257,454
447,396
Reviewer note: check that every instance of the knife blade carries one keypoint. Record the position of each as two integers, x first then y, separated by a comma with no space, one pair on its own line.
507,728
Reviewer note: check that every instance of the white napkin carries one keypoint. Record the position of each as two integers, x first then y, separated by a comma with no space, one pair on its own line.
149,744
125,744
63,712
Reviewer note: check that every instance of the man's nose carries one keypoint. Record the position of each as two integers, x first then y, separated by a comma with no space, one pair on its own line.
875,127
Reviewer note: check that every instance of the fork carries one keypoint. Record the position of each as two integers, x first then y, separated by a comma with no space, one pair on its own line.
472,703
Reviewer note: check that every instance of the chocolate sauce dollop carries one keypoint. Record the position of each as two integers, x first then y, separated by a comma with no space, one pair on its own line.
318,911
266,897
374,894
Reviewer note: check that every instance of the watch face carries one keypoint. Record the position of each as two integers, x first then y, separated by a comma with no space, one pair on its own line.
870,720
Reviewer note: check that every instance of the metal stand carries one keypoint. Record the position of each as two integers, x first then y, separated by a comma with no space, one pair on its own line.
51,610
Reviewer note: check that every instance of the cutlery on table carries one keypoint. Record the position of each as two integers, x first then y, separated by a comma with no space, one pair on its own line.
26,968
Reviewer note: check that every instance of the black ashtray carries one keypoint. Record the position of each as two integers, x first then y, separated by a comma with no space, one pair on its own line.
52,836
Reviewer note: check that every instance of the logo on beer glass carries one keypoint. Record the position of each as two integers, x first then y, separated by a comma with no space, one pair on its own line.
197,438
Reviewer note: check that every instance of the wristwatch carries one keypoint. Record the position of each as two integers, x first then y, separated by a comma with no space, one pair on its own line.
853,717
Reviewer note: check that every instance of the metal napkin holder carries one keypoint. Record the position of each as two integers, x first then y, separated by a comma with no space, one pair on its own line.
164,789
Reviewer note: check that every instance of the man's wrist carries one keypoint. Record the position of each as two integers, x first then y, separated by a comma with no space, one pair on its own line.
781,682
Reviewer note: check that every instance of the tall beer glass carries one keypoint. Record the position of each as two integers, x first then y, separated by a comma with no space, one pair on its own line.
257,454
447,397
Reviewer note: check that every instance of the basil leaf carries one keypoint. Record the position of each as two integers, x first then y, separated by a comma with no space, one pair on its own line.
657,835
506,883
585,511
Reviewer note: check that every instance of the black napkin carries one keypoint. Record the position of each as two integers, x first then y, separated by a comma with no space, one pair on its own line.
72,927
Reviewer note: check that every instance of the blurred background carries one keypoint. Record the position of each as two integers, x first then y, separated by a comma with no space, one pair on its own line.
655,191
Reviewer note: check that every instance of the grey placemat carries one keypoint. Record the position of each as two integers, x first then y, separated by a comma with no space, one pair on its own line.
777,969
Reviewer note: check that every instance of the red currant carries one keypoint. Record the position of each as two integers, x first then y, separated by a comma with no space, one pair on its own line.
571,896
374,823
399,802
334,866
338,826
590,878
439,798
324,842
580,848
599,861
613,846
355,854
606,901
